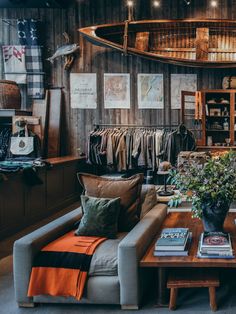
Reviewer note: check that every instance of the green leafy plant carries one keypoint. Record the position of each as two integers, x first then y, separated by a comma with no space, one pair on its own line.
213,183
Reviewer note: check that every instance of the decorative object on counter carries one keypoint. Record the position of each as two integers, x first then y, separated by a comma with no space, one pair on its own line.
224,101
68,51
14,63
201,45
215,112
209,141
10,96
211,189
164,170
226,125
229,82
24,143
228,140
216,126
225,112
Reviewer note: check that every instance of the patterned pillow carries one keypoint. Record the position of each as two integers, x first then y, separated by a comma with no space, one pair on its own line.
100,217
127,189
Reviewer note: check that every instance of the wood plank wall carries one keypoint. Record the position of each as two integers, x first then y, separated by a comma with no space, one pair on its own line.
99,60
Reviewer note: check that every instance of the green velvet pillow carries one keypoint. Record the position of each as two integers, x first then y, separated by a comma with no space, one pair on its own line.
100,217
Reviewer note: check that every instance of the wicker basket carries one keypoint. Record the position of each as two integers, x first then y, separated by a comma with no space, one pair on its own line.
10,97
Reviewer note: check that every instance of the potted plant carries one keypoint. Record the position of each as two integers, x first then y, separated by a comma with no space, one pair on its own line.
210,187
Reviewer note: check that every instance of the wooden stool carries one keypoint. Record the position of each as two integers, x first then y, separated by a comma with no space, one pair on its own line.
193,278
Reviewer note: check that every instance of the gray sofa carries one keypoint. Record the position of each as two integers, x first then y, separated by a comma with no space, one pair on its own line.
114,275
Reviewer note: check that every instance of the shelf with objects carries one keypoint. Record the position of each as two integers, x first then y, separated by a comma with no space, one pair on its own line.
214,119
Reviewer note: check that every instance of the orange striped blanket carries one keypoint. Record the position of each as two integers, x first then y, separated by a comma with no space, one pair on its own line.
61,267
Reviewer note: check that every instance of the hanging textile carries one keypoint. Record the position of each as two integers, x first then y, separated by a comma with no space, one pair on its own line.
35,78
14,63
28,32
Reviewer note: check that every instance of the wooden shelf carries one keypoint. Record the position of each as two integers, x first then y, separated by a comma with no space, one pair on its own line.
218,116
217,147
217,130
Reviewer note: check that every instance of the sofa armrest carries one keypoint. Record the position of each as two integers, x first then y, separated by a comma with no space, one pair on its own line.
26,248
131,250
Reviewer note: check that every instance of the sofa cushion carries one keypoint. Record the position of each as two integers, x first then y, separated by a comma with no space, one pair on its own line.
148,199
100,217
127,189
105,259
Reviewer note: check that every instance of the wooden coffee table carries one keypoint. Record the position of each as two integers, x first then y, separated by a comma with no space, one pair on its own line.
162,264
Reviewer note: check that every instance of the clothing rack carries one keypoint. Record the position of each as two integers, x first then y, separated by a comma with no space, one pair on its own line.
136,126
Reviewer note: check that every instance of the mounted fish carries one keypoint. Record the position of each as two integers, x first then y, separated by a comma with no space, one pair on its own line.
68,51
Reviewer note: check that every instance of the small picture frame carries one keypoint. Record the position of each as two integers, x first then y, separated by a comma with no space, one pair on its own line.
215,112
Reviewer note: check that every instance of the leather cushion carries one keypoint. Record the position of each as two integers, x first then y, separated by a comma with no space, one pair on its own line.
100,217
128,190
148,199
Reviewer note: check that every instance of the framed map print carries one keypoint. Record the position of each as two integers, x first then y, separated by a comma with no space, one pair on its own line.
117,91
150,91
180,82
83,88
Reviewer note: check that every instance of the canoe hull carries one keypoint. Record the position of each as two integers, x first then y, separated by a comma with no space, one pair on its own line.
192,43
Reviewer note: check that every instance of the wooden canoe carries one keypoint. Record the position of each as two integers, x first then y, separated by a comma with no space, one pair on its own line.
188,42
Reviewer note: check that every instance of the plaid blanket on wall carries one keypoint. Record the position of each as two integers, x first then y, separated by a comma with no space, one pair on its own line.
23,64
34,65
61,268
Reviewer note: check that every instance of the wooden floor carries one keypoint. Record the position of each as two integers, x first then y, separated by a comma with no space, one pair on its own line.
6,245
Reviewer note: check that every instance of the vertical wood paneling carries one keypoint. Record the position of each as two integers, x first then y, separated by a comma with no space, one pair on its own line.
99,60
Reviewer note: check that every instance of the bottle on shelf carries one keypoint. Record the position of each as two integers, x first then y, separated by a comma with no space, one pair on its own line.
225,112
226,125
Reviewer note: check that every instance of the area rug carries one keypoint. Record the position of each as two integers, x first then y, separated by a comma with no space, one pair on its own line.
190,301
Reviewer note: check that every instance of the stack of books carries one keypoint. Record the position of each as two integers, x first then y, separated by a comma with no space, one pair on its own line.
173,242
215,245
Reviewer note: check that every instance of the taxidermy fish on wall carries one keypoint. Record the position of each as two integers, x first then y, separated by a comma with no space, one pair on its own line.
68,51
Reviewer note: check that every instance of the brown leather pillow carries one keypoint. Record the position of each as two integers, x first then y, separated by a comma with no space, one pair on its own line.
127,189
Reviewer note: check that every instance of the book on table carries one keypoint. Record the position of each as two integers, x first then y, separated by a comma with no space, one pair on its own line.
172,239
176,253
215,245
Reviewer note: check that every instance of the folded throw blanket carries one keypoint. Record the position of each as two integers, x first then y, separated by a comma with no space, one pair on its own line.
61,268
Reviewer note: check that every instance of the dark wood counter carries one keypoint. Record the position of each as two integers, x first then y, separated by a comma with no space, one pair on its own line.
22,204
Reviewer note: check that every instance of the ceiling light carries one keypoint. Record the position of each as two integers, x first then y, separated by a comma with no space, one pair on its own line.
130,3
156,3
188,2
214,3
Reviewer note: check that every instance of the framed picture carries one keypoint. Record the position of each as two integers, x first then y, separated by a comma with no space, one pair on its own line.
83,90
150,91
179,83
117,91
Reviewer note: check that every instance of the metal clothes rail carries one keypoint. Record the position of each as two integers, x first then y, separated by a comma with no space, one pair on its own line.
98,125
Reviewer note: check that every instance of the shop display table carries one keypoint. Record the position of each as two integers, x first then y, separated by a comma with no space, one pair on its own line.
162,264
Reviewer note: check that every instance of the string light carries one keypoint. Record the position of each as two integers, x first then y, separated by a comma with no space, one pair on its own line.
214,3
156,4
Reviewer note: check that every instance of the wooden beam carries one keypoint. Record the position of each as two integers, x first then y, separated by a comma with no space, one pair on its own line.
202,43
142,41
